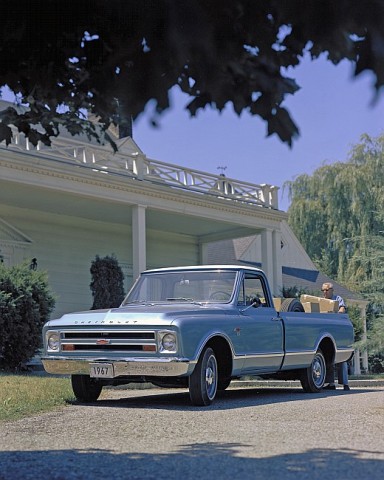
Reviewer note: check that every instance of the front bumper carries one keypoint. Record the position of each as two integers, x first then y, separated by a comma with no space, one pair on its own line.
162,367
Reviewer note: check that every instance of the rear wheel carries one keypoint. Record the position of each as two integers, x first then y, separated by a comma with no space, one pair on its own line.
85,388
203,381
313,378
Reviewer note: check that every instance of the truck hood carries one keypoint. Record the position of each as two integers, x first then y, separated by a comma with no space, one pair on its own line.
149,314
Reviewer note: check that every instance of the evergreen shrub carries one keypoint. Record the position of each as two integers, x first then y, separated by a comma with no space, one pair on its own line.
107,283
376,363
26,303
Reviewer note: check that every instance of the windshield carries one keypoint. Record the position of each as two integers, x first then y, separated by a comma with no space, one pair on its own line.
188,286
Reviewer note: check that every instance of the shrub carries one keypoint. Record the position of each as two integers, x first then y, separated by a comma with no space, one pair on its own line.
355,316
26,303
293,292
376,363
107,283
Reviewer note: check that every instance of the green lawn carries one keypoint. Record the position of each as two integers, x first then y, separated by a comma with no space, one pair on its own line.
27,395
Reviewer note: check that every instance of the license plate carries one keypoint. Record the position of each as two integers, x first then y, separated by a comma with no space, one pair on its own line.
101,370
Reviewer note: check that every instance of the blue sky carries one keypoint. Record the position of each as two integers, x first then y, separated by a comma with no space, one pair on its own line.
332,111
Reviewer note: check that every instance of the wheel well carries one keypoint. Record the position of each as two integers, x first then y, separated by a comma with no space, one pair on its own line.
223,355
328,349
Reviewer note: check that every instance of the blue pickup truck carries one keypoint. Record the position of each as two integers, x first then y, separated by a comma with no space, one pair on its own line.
197,328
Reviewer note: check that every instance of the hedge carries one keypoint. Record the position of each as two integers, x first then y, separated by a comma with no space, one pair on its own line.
26,303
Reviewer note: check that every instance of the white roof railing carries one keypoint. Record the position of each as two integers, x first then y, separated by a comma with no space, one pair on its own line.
136,165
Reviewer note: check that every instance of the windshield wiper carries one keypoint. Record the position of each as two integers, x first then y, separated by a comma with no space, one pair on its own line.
184,299
179,299
142,302
157,302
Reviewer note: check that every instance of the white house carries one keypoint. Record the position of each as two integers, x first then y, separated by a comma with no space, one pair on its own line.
63,205
67,203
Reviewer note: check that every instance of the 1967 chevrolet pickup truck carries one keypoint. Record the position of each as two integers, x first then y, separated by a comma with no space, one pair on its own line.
197,328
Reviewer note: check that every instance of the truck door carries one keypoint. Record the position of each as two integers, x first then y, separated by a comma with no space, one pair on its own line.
262,330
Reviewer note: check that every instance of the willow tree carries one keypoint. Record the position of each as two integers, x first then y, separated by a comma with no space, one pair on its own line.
338,215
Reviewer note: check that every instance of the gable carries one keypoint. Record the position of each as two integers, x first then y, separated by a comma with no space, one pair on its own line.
13,244
10,234
292,252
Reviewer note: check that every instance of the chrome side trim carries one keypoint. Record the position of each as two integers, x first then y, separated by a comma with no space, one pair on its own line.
298,359
260,355
304,358
344,355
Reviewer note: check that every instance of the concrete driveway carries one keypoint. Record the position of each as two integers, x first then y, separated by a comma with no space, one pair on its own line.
248,433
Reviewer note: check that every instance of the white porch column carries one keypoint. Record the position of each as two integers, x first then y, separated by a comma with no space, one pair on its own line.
364,354
267,247
203,253
356,363
277,263
139,249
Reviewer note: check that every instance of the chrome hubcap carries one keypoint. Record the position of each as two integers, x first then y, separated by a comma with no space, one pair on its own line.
318,371
211,377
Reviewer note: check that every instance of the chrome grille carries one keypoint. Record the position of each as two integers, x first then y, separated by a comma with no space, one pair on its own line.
108,340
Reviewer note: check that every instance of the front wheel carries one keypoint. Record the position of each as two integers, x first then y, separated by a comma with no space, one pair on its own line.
203,381
85,388
313,378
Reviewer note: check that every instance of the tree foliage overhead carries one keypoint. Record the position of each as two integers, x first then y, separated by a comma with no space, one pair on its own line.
112,58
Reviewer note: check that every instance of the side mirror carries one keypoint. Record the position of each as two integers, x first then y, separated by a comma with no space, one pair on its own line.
255,303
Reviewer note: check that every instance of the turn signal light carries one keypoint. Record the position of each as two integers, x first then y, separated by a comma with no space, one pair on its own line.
68,347
149,348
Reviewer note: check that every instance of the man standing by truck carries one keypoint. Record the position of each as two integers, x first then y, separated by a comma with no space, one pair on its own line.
342,370
327,290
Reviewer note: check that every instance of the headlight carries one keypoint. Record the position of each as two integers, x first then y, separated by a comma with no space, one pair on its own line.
53,341
168,342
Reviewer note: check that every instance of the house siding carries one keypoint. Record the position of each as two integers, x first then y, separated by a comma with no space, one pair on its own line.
167,250
65,247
